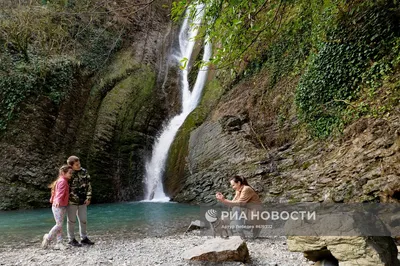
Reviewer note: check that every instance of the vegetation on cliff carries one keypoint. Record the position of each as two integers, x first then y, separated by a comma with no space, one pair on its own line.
43,44
342,50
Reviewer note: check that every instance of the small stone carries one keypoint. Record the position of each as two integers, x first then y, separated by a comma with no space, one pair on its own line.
194,225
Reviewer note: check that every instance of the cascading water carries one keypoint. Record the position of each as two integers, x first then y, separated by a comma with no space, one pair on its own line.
190,99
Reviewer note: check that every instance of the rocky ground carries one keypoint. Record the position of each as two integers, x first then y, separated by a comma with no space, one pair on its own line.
147,251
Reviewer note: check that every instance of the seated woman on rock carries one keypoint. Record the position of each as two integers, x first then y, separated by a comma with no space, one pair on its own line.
245,200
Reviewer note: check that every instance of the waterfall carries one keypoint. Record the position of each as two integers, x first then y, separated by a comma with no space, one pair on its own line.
190,99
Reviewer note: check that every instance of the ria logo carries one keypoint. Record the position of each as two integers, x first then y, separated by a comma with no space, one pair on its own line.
211,215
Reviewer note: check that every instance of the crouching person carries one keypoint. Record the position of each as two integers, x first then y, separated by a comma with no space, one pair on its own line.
246,201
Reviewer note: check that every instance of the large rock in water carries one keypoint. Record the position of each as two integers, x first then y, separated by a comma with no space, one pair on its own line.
348,250
219,249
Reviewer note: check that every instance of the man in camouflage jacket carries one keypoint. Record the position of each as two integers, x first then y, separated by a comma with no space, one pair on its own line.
80,196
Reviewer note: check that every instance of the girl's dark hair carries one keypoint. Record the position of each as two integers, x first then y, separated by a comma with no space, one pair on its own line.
240,179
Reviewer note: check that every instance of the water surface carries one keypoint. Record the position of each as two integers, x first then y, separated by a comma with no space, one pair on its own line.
117,220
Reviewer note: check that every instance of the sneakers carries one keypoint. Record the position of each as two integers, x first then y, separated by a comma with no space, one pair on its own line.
74,243
60,246
86,241
46,241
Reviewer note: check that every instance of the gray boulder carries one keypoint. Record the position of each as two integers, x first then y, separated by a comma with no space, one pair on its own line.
219,250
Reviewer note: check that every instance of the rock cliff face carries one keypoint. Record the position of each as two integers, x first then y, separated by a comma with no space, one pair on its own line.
253,131
109,120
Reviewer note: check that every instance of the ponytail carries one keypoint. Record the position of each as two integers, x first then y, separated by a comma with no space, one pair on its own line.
52,185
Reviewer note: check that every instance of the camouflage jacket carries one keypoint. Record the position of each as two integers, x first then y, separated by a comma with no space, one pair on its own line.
80,187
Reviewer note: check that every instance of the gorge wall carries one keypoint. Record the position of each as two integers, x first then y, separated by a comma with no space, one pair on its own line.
108,119
246,135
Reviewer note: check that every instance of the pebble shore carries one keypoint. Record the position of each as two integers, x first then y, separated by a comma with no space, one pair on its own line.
167,251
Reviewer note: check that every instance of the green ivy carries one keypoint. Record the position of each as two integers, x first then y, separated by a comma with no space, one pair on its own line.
20,79
334,75
42,49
